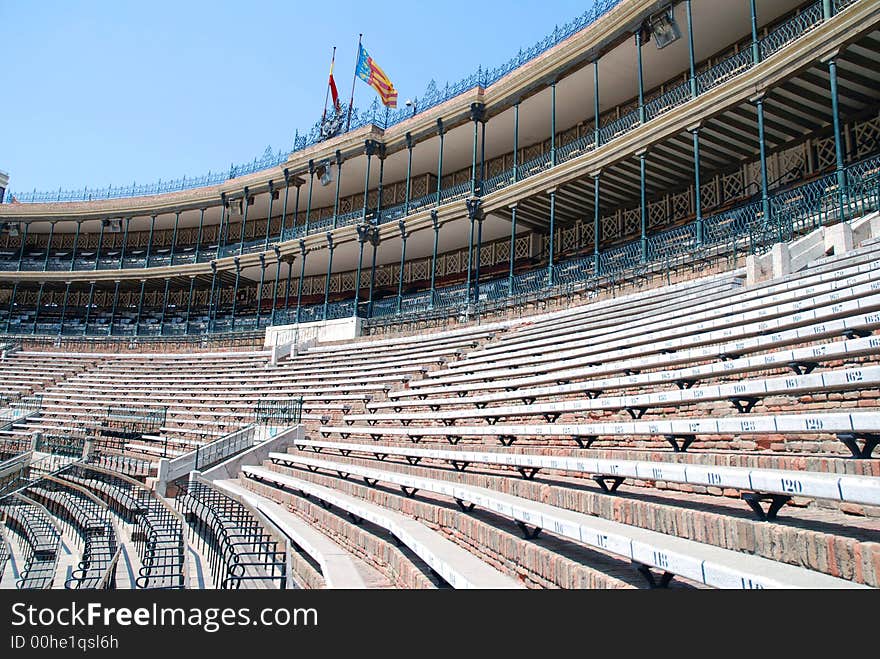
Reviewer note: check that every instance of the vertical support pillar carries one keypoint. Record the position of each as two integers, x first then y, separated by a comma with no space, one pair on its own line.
382,152
220,230
164,307
269,217
331,246
477,112
235,290
512,258
260,289
124,243
338,183
113,307
363,230
551,279
479,255
473,208
244,214
49,246
762,142
756,48
435,223
643,203
137,322
440,161
211,307
401,225
516,141
296,209
287,287
302,277
100,244
150,239
275,285
641,75
597,225
189,300
37,307
597,137
11,305
369,150
284,206
309,201
553,124
691,57
64,308
174,235
75,245
89,307
838,140
698,194
375,240
24,234
199,235
409,156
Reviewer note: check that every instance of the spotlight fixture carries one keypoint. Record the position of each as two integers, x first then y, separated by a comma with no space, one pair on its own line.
663,28
325,173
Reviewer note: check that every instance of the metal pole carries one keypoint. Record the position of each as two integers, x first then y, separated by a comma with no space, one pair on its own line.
409,148
338,183
641,76
691,56
309,201
24,234
211,308
476,113
643,166
403,236
550,277
260,289
49,246
374,241
189,299
113,308
435,222
275,287
11,305
246,205
698,194
220,228
302,275
553,124
235,291
164,307
89,307
597,228
765,193
512,258
597,138
199,235
37,308
269,218
150,239
516,142
838,141
75,244
137,322
284,207
331,246
174,235
362,230
756,50
369,149
100,244
440,161
64,307
124,241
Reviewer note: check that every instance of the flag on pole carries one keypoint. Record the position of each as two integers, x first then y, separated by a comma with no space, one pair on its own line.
368,71
333,91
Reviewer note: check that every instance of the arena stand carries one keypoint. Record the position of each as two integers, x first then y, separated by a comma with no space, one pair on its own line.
667,375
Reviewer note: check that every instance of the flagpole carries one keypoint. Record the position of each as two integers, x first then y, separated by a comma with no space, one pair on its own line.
327,95
353,81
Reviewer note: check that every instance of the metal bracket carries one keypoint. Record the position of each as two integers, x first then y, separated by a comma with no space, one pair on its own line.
593,394
453,439
529,533
376,437
507,440
850,440
343,474
584,441
413,459
344,452
653,582
744,404
636,412
528,472
344,435
803,368
685,384
604,480
409,492
381,457
458,465
856,334
415,438
466,507
552,417
371,481
775,501
527,400
447,422
686,441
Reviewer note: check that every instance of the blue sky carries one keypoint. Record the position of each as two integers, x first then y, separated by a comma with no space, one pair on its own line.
99,92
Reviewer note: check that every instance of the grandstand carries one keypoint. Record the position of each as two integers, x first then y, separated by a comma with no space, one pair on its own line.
602,317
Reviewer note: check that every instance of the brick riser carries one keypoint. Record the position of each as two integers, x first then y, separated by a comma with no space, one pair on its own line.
794,539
